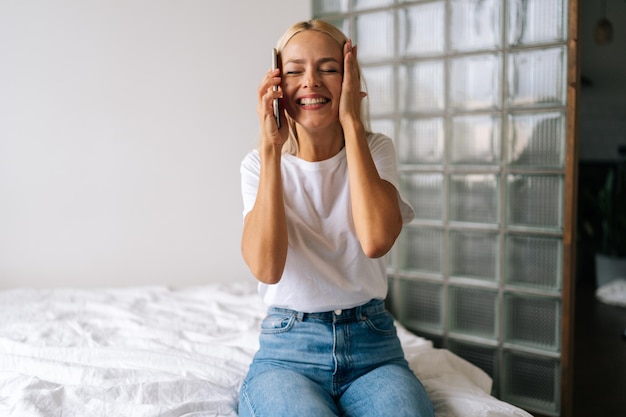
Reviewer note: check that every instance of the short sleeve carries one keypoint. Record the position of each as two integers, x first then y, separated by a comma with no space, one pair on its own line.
250,171
384,156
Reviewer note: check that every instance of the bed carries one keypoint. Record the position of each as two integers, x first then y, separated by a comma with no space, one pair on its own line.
156,351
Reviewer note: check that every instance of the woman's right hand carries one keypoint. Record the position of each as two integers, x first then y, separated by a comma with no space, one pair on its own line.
264,241
270,133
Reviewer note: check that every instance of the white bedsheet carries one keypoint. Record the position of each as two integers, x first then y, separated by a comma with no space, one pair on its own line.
162,352
613,292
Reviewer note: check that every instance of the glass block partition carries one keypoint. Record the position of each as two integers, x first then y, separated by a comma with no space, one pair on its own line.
474,95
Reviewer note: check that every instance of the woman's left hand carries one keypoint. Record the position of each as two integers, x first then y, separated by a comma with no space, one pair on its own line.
351,94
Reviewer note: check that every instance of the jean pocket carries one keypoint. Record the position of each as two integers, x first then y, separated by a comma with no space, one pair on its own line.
277,323
382,324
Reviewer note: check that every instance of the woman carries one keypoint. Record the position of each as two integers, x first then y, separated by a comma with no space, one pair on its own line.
322,208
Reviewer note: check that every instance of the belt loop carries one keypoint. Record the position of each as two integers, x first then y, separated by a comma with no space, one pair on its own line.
358,315
300,315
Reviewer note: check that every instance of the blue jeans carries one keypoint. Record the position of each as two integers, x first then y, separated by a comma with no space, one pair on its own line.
338,363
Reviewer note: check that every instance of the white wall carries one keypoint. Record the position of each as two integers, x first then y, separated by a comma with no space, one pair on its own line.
122,126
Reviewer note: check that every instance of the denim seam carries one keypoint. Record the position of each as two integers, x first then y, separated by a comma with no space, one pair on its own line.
335,349
247,400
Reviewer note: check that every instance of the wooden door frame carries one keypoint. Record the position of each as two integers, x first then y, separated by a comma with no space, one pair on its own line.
568,295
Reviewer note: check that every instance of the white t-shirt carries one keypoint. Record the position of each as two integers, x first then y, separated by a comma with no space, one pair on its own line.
326,268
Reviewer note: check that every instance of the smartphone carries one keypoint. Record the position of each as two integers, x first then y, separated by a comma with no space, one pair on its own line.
276,106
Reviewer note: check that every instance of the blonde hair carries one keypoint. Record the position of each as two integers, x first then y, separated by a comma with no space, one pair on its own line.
291,146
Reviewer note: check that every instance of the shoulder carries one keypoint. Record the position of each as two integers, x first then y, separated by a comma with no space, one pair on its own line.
380,144
378,140
251,161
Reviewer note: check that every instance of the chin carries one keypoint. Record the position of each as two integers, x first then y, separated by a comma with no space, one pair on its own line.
316,122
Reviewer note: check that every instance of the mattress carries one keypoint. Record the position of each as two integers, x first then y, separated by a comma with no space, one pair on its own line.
157,351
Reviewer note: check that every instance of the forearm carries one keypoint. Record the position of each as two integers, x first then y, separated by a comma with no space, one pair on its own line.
375,205
264,240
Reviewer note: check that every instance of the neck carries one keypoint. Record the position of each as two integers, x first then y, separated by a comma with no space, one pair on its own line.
320,144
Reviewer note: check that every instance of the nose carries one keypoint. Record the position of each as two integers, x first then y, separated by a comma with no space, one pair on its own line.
311,79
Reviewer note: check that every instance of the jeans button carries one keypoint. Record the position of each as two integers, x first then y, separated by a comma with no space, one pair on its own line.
338,312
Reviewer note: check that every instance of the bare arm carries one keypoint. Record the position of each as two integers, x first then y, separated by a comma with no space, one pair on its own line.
264,239
375,206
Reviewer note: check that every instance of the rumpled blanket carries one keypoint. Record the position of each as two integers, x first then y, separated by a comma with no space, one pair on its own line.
613,293
162,352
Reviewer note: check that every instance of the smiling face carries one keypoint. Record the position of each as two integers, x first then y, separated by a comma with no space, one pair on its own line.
312,68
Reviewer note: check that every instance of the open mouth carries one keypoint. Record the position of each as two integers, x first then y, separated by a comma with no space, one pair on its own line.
312,101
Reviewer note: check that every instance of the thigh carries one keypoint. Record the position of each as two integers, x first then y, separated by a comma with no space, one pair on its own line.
390,390
284,393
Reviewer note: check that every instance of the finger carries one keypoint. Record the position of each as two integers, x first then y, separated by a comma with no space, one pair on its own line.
349,50
267,92
347,47
350,61
266,103
271,79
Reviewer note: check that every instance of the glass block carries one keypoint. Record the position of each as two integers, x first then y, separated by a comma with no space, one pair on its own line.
531,381
536,140
532,321
474,198
534,261
535,201
537,77
380,90
425,193
384,126
534,21
422,29
391,258
325,7
475,24
371,4
436,339
374,34
421,249
485,357
421,86
390,300
473,255
475,82
421,141
420,304
473,311
475,139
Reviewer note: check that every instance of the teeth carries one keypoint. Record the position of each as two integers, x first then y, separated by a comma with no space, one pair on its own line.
309,101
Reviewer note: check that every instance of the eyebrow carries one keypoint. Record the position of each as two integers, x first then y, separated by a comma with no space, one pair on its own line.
320,61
